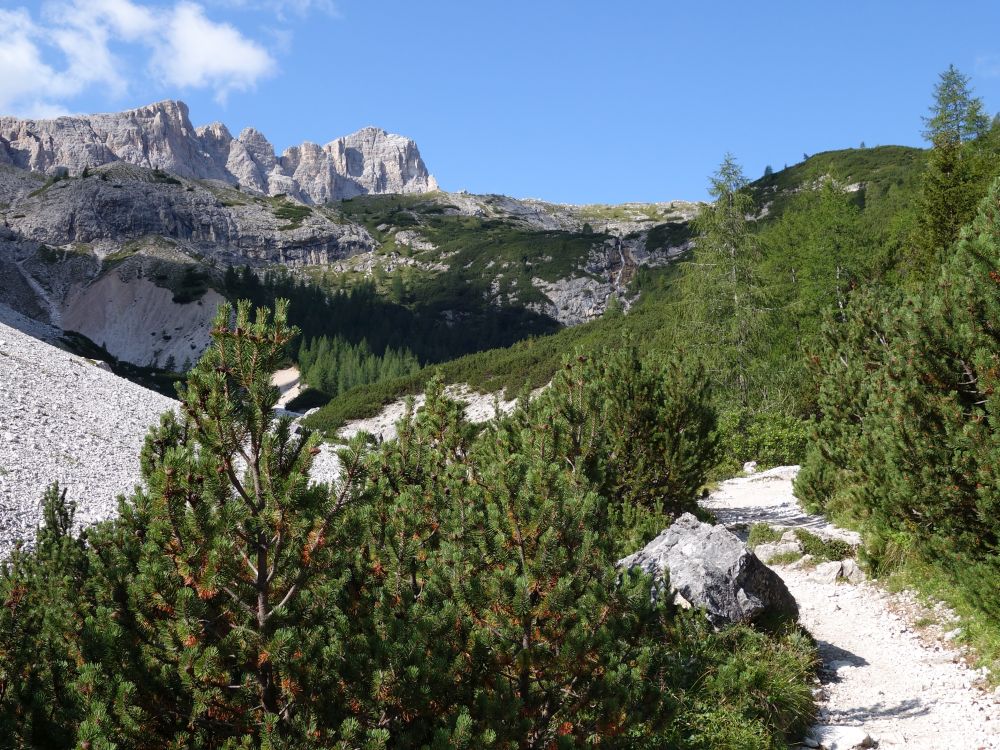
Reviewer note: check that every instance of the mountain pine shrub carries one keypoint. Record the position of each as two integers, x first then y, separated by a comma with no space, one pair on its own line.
456,587
909,438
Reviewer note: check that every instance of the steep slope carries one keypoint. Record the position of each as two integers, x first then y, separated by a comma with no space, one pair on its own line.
161,136
67,418
128,256
882,182
64,418
454,258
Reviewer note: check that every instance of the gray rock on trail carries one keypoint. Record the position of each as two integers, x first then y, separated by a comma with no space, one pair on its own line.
161,136
831,572
710,568
768,552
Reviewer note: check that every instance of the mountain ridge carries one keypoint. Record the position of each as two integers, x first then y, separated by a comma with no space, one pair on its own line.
162,136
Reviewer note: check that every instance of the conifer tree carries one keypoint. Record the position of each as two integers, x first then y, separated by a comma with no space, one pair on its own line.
948,195
815,254
456,589
43,602
724,298
910,428
216,573
956,115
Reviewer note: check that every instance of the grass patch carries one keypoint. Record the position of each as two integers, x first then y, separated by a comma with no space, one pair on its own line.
762,533
824,549
293,213
784,558
48,184
164,178
118,256
979,631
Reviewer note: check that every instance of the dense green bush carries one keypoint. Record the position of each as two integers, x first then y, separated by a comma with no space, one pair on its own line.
770,438
455,588
909,438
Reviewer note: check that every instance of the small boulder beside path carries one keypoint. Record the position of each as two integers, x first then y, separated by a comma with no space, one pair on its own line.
711,568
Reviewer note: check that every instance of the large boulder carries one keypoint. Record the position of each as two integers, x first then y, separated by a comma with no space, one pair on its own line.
710,568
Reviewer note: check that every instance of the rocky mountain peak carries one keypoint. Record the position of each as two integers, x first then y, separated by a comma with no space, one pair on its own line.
161,136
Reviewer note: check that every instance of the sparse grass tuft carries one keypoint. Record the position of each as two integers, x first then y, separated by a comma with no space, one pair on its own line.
824,549
784,558
762,533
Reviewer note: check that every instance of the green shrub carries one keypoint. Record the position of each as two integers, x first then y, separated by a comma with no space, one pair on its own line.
909,400
769,438
762,533
443,593
823,549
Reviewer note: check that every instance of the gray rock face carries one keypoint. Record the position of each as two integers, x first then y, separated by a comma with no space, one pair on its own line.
106,255
161,136
119,203
710,567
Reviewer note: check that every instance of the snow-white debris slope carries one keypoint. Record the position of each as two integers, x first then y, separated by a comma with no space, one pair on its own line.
885,674
64,418
479,408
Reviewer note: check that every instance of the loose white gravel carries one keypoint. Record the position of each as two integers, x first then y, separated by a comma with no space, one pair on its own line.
68,419
64,418
479,408
883,677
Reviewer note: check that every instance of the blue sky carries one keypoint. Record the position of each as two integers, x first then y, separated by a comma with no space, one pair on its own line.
568,101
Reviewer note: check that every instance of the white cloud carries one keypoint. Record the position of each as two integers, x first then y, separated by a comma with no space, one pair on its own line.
285,8
988,66
79,44
25,73
199,53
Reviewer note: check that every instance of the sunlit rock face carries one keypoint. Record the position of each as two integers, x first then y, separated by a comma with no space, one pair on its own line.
161,136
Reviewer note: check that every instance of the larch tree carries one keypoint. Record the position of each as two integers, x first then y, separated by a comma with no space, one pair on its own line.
723,298
948,194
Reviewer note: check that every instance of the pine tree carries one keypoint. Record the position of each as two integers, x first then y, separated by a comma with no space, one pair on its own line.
215,575
956,115
43,602
909,441
815,253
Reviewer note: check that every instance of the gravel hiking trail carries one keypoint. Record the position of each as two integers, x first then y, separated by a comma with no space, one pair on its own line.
892,674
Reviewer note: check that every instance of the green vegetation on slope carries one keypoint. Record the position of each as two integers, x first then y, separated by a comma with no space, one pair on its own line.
333,366
361,314
487,260
906,439
791,239
908,433
443,593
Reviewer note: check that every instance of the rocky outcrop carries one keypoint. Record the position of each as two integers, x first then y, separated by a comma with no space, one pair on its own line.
161,136
127,255
710,568
119,203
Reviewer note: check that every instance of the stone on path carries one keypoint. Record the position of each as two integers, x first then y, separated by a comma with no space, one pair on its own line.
710,568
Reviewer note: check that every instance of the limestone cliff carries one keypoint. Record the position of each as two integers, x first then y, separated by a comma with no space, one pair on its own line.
161,136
